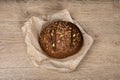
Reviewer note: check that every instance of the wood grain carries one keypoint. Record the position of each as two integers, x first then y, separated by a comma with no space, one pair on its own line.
100,19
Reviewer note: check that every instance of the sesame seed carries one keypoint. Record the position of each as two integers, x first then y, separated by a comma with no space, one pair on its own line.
53,45
73,35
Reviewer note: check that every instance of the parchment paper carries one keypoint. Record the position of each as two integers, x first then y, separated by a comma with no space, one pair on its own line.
31,31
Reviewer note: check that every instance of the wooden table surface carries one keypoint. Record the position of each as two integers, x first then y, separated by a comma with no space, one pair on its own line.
100,19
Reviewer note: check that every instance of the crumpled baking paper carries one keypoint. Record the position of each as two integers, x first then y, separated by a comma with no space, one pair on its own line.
31,31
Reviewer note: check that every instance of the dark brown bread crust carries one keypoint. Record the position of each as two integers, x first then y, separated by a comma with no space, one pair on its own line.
61,39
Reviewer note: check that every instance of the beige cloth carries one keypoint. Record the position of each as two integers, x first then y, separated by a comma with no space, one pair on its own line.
31,31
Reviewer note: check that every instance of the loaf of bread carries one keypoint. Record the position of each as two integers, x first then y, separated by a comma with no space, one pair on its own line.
60,39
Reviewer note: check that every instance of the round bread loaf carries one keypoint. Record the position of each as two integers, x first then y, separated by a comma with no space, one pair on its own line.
60,39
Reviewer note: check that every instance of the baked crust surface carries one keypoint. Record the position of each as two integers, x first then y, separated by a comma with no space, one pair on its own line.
61,39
